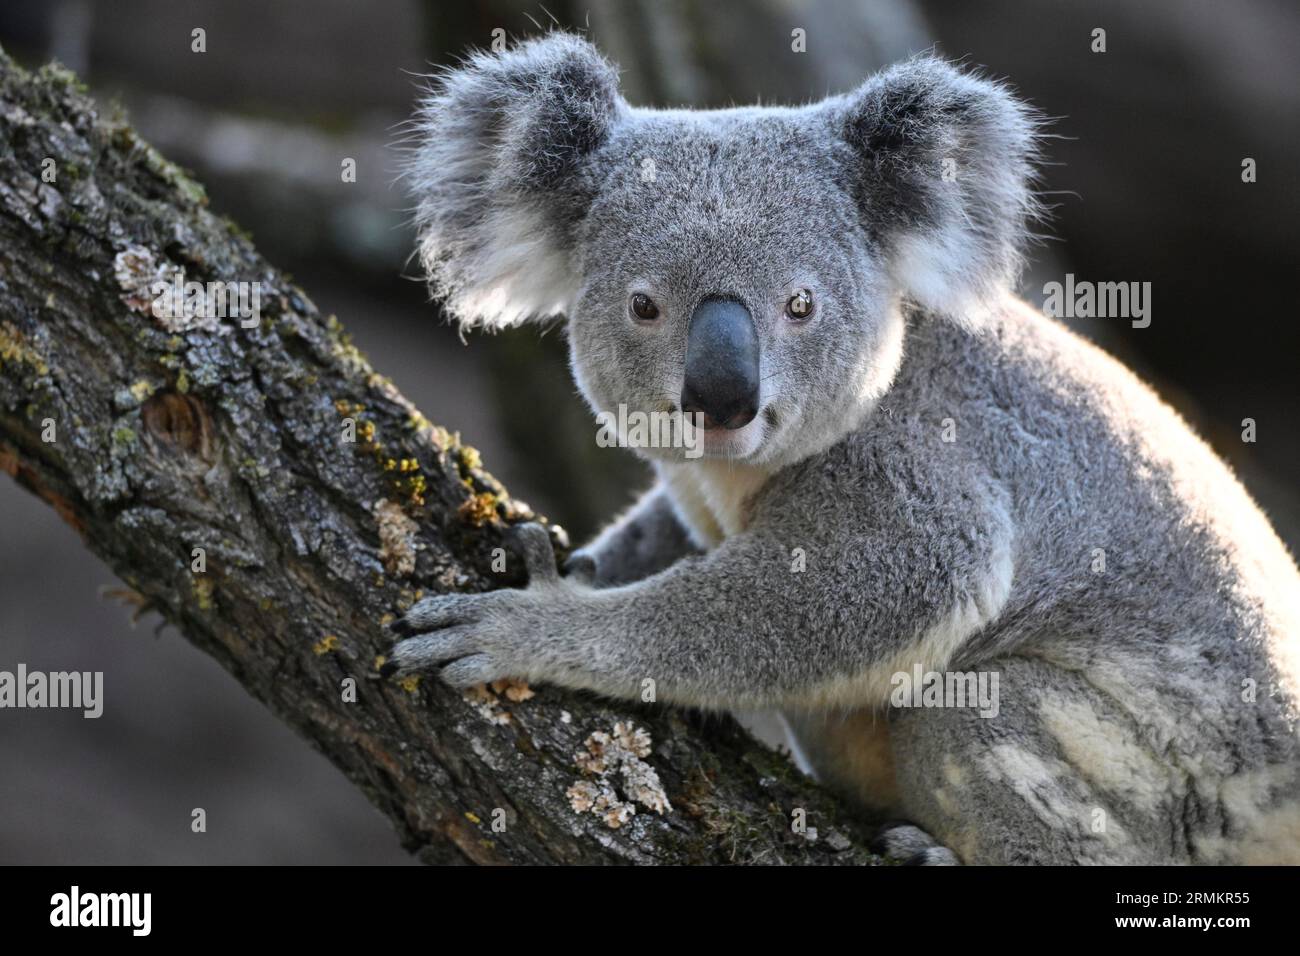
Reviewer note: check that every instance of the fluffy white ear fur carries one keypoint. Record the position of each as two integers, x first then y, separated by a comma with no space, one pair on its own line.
497,171
945,165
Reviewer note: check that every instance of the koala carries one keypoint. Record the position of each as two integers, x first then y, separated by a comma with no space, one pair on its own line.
902,469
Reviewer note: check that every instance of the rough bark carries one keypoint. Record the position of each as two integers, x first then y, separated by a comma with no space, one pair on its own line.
154,441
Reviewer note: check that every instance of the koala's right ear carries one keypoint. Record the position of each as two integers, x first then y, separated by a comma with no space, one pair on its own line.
498,173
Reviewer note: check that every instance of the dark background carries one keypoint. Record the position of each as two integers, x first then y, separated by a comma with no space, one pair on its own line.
1146,179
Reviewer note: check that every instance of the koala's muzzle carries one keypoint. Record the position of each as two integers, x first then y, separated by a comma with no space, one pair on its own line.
721,364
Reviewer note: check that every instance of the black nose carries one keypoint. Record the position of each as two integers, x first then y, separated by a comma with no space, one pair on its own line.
721,364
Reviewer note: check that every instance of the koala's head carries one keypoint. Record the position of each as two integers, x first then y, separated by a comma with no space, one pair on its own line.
744,265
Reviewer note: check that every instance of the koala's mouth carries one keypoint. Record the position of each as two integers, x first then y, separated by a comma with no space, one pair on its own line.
737,443
663,431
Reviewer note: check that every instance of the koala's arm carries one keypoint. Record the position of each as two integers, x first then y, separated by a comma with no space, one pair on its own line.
645,540
742,626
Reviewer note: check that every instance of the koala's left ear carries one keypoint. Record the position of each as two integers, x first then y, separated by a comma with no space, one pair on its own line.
942,170
500,174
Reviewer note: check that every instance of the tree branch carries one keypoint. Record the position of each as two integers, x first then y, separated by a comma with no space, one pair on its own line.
208,465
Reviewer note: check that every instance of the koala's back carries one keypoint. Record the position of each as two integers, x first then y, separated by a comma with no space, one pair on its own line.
1129,528
1141,567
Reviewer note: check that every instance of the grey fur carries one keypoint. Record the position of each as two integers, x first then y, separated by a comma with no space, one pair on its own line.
841,538
912,846
644,541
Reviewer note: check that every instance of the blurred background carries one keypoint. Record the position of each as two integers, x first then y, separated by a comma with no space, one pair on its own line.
1148,188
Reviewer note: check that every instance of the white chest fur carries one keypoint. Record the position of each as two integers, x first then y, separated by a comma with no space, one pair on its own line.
712,497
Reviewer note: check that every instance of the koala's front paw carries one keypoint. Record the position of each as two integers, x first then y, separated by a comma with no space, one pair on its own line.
478,638
466,636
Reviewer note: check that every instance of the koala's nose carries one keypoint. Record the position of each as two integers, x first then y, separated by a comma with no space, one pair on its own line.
721,364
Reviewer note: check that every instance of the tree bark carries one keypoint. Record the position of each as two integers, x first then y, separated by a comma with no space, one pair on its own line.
208,464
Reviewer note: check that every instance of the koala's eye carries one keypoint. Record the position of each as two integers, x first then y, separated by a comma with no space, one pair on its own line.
644,308
800,305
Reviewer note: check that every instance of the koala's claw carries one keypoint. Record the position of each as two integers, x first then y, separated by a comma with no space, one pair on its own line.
911,846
